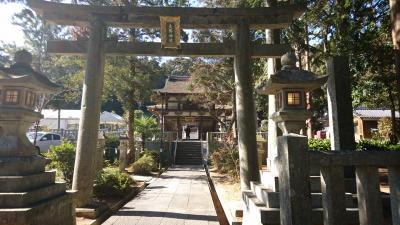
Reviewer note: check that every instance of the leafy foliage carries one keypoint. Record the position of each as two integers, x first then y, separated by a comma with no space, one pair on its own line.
385,128
111,144
319,144
63,159
110,182
225,157
378,145
144,165
154,155
146,127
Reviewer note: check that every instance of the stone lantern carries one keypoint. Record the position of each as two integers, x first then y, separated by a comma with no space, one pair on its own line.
28,194
289,86
21,90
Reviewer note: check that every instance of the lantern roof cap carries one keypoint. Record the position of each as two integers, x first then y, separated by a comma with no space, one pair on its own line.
291,76
21,72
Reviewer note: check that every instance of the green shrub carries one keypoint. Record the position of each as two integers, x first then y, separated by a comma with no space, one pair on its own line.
112,143
225,157
378,145
144,165
111,182
63,159
319,144
154,155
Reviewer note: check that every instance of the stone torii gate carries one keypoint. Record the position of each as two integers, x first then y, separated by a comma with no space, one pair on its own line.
98,18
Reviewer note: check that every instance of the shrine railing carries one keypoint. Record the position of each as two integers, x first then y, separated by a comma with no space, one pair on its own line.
294,183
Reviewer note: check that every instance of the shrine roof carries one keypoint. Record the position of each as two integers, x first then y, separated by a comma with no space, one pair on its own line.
178,85
373,113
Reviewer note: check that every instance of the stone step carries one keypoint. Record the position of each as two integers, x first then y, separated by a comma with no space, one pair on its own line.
27,182
189,153
271,198
184,150
25,199
19,166
60,207
188,150
188,146
189,159
188,163
256,211
189,156
272,182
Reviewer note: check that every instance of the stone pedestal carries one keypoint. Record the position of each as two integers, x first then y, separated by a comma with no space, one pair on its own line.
28,194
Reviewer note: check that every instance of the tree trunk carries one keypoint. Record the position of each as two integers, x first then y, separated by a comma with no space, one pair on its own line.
131,133
307,66
143,142
233,122
395,18
392,135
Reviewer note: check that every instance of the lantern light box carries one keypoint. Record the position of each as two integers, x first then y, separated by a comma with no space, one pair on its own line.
289,86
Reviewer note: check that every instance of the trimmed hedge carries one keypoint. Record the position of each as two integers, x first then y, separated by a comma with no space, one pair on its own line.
111,182
363,145
154,155
144,165
366,145
319,144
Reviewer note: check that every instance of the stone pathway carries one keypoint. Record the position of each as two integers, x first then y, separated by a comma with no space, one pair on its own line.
179,197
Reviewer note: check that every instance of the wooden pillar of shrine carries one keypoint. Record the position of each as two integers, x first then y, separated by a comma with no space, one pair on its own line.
90,115
200,128
179,126
245,109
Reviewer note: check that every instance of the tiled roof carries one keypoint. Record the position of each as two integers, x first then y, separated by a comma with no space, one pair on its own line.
373,113
178,85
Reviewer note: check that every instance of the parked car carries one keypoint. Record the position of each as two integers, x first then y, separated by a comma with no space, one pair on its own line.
44,140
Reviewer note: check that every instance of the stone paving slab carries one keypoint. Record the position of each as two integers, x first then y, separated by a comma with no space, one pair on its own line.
180,196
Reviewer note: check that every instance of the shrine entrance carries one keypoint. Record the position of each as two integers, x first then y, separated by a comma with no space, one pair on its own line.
170,21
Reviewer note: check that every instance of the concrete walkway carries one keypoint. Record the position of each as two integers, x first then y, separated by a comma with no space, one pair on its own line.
179,196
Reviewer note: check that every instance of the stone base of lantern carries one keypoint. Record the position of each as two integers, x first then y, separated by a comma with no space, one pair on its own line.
30,195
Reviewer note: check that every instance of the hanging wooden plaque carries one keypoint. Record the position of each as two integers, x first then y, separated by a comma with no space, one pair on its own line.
170,32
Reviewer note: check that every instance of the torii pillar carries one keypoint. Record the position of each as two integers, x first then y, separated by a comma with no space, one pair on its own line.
90,115
245,109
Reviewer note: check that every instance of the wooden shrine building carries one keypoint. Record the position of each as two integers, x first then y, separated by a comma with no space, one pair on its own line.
177,109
